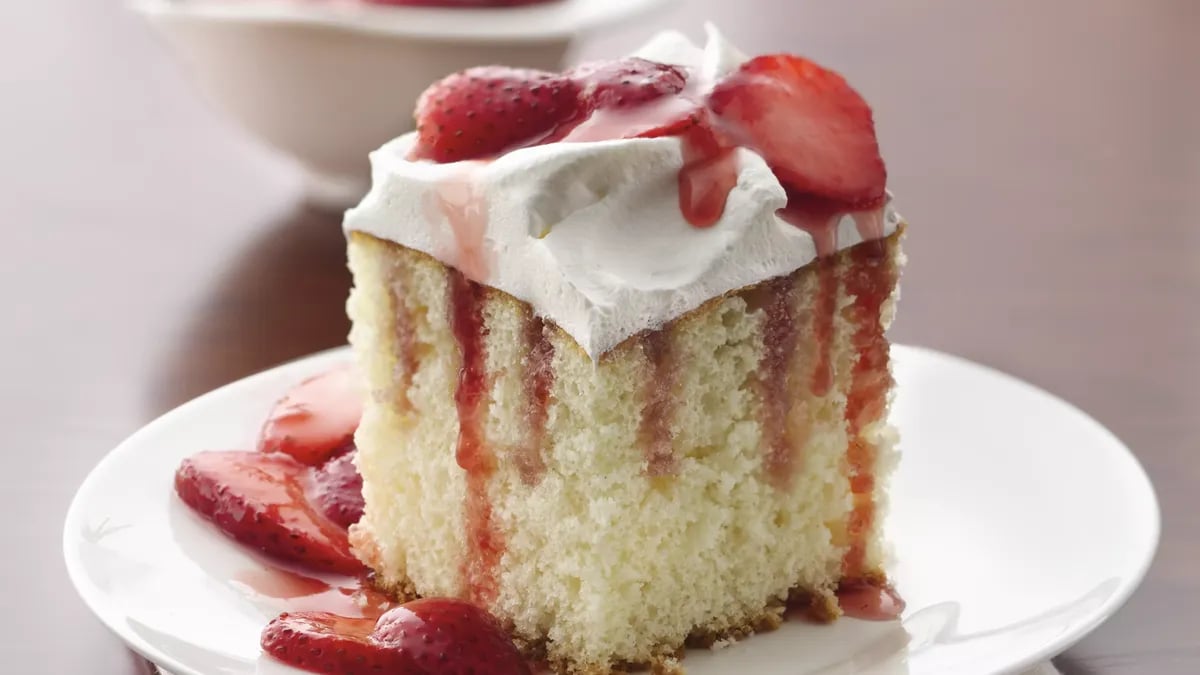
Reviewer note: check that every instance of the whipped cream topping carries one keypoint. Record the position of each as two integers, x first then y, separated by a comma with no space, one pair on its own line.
591,234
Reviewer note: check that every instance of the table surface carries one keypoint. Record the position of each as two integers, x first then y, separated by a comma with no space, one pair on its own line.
1047,153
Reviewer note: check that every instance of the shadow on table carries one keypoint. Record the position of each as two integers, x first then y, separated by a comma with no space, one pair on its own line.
282,297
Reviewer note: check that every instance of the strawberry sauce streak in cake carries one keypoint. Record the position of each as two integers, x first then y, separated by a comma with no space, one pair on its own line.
404,332
538,381
824,307
870,280
654,431
475,455
781,332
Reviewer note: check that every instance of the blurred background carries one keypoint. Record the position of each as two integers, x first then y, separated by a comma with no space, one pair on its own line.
1047,155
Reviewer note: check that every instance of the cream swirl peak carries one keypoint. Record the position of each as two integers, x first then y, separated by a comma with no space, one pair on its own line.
592,234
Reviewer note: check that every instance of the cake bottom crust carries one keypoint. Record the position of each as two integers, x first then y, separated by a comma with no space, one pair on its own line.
819,606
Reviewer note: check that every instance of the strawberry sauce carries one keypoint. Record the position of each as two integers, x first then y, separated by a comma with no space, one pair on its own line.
538,381
654,431
465,210
870,601
709,173
404,336
824,307
293,591
484,543
870,280
781,333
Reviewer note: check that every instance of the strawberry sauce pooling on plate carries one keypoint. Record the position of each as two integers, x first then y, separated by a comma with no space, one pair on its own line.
296,496
294,500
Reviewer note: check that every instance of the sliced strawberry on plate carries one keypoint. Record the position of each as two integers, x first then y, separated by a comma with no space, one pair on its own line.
336,489
320,642
445,636
626,82
316,419
816,133
482,112
259,499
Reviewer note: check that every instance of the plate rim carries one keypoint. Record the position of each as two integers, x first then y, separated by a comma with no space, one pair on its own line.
536,23
92,597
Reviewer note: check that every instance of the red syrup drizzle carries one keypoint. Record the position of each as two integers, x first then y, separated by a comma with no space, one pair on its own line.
870,280
466,211
654,430
709,173
870,601
538,381
405,335
781,334
484,543
291,591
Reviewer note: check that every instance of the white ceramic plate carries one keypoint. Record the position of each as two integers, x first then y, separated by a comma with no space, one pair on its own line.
1019,525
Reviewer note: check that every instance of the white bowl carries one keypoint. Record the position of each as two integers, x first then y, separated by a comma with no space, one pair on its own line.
327,82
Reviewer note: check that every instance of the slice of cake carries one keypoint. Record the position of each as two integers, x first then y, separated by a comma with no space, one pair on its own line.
624,330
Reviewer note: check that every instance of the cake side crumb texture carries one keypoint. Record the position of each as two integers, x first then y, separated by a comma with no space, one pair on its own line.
606,559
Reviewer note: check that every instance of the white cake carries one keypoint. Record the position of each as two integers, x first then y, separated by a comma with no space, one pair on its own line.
618,439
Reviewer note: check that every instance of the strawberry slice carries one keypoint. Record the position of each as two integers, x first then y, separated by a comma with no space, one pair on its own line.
445,636
434,636
326,643
259,499
336,489
816,133
626,82
316,419
482,112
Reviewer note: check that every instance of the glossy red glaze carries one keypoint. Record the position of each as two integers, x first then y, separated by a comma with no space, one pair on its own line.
295,591
870,280
538,381
404,333
654,431
781,332
870,602
709,173
484,542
